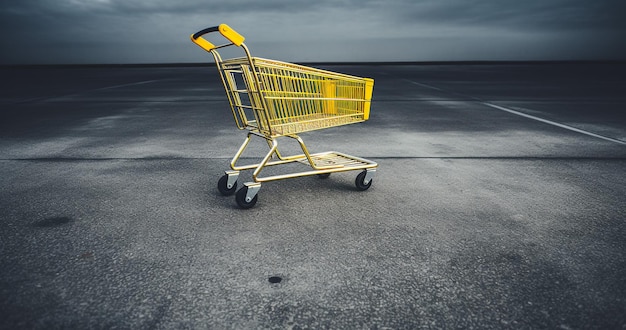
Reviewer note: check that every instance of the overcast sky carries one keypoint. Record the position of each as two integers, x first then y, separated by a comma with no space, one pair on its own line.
157,31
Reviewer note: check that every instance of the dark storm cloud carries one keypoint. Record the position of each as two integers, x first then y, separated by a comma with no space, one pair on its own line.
528,14
115,31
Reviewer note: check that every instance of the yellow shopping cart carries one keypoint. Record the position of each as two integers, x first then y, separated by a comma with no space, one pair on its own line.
274,99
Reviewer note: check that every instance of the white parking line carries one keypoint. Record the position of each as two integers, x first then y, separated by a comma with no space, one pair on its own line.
126,85
57,98
553,123
427,86
574,129
465,96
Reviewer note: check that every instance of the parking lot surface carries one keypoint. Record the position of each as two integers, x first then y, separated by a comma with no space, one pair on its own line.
499,202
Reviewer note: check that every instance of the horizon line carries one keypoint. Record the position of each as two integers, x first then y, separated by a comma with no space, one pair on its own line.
197,64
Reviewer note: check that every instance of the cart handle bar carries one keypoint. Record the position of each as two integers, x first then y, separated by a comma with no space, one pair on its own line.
226,31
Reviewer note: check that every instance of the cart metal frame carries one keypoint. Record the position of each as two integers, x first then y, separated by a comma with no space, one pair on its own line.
273,99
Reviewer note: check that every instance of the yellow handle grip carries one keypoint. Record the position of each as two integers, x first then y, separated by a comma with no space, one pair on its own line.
230,34
226,31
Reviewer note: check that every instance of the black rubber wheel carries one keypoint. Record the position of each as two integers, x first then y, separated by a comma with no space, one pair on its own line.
241,198
360,181
223,188
323,176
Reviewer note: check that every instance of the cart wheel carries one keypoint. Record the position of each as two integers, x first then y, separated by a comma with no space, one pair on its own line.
222,186
241,198
323,176
360,181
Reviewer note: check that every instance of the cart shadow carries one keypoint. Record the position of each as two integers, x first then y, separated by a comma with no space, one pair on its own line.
308,187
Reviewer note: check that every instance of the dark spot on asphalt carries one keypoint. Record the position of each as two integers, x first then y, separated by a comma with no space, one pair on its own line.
275,279
52,222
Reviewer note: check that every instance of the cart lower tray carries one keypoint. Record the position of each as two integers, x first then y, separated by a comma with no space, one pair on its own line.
337,159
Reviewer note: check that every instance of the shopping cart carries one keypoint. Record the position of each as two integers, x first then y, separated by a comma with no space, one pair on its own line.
274,99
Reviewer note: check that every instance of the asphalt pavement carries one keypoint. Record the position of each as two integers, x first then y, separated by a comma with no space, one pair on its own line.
499,202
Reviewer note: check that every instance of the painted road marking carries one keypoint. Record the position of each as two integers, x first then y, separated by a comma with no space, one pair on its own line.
59,98
578,130
571,128
125,85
